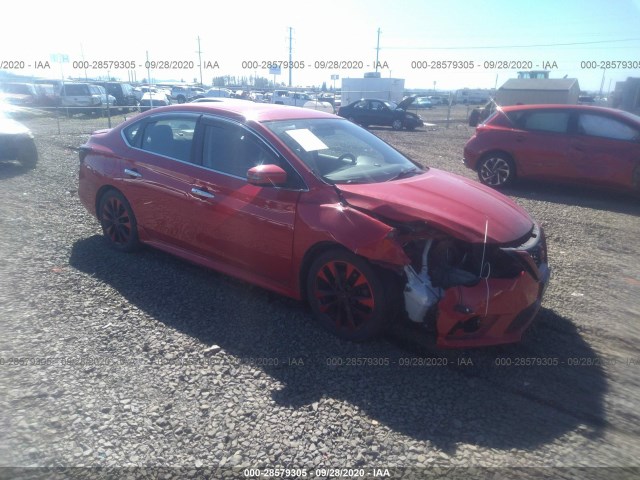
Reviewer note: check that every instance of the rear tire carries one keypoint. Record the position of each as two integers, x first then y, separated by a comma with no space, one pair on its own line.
496,170
118,222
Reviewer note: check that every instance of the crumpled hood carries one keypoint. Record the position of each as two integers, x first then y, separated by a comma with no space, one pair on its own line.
449,202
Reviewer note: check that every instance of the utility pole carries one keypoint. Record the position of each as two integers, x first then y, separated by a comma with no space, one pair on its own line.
83,63
200,59
378,49
290,55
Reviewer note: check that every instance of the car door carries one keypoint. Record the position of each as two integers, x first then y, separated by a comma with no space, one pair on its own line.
379,113
246,226
541,142
606,150
359,112
158,176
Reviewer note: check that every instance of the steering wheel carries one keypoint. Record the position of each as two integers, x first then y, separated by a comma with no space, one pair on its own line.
344,156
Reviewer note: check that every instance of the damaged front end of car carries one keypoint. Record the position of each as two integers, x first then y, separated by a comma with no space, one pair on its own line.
472,294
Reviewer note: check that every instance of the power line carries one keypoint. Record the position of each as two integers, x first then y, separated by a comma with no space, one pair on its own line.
475,47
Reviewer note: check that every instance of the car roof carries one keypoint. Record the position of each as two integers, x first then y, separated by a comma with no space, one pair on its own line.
578,108
245,110
545,106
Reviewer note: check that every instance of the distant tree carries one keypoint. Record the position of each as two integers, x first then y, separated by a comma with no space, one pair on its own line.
324,86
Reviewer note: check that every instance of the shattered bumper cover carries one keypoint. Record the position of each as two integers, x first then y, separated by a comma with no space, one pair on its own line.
493,312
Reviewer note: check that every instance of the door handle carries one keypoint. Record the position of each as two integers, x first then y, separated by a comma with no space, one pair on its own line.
132,173
202,193
579,147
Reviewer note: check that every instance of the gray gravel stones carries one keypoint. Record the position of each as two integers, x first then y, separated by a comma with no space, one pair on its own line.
146,361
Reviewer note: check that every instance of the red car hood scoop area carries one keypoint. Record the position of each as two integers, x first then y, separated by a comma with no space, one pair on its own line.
449,202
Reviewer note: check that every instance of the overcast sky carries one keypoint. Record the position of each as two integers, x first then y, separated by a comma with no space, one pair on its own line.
568,32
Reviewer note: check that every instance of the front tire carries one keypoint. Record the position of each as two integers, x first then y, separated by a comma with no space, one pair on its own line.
397,124
118,222
348,296
496,170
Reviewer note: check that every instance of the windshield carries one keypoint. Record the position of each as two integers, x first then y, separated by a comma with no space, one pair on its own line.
338,151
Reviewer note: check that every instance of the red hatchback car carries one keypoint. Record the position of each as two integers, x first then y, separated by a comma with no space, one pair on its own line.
568,143
311,206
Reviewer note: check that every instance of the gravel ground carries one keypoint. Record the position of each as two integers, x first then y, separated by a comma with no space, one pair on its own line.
146,365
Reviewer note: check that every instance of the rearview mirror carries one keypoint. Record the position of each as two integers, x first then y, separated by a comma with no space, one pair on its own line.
264,175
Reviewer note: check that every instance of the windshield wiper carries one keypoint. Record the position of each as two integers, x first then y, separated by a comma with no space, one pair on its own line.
407,172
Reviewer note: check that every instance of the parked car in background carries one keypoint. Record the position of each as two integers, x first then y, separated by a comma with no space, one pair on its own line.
438,99
300,99
141,90
312,206
85,98
568,143
125,98
331,98
586,100
217,100
218,92
20,94
370,111
47,95
153,99
16,141
422,102
256,97
182,94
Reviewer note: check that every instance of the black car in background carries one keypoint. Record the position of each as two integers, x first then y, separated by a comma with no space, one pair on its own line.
371,111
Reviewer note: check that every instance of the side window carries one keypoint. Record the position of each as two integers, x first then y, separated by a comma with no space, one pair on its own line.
233,150
361,105
71,89
547,121
171,137
378,106
600,126
131,133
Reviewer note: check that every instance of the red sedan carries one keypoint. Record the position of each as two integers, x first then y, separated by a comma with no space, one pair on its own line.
311,206
569,143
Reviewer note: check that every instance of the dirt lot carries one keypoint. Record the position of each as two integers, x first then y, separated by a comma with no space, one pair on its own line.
143,360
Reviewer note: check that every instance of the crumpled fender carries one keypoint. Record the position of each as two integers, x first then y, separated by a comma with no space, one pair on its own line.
338,223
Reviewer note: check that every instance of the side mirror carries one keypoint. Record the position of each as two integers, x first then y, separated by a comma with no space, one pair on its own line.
267,175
